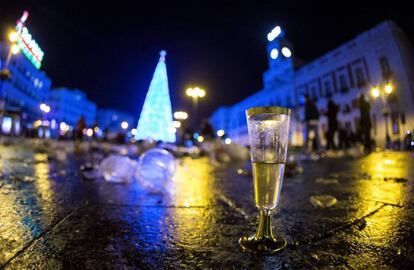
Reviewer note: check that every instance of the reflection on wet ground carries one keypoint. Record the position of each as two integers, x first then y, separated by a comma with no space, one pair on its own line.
51,218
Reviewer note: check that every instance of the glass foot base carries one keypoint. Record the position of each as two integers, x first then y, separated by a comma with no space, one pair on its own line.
265,246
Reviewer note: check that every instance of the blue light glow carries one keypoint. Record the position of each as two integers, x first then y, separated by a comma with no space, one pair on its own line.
156,121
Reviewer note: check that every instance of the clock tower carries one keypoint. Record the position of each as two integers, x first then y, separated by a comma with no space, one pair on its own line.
279,54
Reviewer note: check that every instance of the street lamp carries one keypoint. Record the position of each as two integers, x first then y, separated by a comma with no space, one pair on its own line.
124,125
378,92
44,108
195,93
5,72
180,115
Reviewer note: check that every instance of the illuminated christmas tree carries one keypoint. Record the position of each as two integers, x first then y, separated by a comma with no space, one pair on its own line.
156,120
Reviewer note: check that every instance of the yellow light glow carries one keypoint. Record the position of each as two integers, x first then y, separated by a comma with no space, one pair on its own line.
37,123
375,92
220,132
15,49
180,115
176,124
200,138
13,36
89,132
193,189
388,89
96,129
195,92
124,125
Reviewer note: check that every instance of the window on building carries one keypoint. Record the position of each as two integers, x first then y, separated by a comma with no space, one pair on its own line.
360,77
343,84
385,68
328,89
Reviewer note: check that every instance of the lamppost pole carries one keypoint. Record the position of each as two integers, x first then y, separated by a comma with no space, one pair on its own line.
195,93
5,72
382,94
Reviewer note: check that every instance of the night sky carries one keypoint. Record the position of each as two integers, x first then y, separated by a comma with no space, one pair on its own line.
110,50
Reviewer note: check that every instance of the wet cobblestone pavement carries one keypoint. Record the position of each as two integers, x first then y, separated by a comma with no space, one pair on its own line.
341,213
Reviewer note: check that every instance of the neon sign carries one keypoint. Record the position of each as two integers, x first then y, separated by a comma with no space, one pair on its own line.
27,44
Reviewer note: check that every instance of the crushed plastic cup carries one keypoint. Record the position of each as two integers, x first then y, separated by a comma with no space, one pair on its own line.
155,168
117,169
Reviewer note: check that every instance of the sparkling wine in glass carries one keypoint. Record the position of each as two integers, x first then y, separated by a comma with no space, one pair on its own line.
268,133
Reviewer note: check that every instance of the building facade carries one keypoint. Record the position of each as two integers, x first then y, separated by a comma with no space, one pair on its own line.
27,88
69,105
378,58
112,119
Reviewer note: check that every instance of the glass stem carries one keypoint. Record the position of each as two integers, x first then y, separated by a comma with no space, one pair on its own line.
265,225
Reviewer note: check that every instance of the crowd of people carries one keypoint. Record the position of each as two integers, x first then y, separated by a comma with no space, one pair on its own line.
347,137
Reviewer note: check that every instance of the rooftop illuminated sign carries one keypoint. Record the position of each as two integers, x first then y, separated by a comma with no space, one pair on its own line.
27,44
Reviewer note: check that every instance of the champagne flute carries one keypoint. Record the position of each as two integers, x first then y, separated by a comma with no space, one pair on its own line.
268,133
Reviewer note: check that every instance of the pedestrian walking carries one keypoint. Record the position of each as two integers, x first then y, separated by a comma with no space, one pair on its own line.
332,124
80,126
365,123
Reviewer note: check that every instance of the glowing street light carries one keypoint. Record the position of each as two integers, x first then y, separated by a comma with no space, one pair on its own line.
44,108
89,132
5,72
388,89
180,115
382,93
375,92
195,93
124,125
14,49
13,36
200,139
220,132
176,124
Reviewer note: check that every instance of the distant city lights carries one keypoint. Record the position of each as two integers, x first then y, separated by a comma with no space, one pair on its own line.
63,127
134,131
195,92
274,33
274,53
227,141
220,132
124,125
44,108
286,52
89,132
200,139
